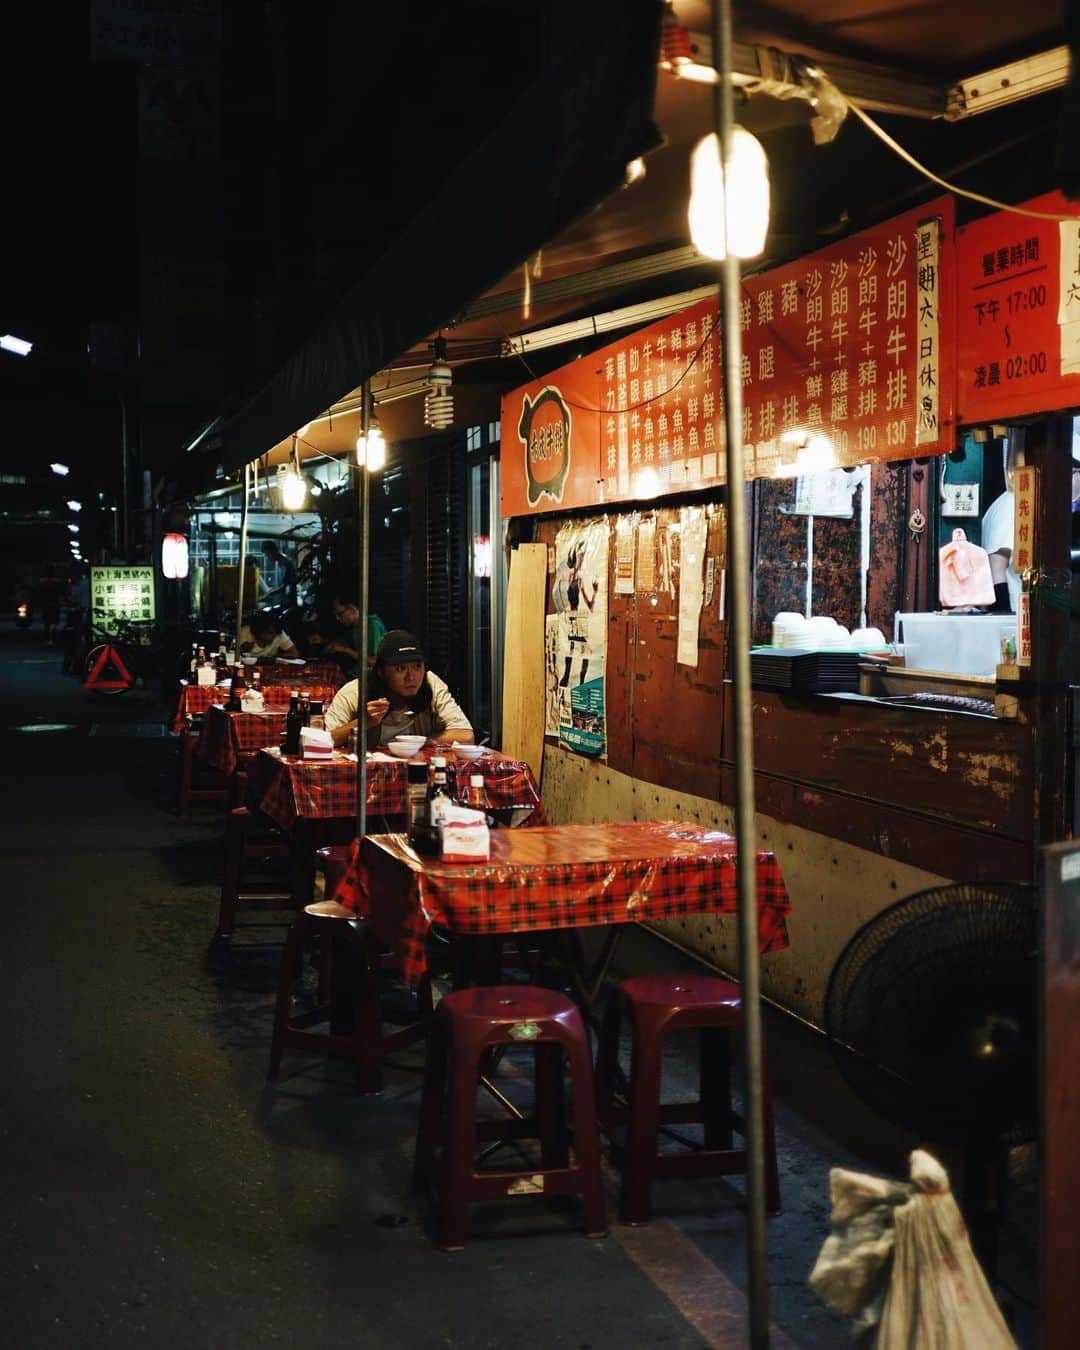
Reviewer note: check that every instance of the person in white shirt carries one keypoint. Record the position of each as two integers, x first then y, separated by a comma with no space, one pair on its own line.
404,697
263,639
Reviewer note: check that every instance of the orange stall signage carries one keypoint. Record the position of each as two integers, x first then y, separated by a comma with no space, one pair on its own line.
1018,282
848,356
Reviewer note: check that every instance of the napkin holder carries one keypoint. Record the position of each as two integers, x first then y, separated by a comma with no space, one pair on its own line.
315,743
206,675
252,701
465,835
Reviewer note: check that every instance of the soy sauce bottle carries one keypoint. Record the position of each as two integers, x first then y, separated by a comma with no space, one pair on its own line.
416,805
293,725
236,692
438,795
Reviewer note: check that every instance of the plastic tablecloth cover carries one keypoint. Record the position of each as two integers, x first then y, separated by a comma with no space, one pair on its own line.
561,876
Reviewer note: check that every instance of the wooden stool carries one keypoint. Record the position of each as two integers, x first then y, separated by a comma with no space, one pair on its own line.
657,1004
468,1025
186,791
350,960
245,842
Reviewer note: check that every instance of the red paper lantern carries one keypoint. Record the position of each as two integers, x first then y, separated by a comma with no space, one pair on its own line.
174,556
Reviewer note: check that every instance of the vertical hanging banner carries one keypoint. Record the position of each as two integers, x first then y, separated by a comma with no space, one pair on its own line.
848,357
579,641
1018,313
1023,557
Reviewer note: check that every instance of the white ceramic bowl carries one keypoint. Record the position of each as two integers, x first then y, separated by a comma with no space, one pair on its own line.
403,750
468,751
415,741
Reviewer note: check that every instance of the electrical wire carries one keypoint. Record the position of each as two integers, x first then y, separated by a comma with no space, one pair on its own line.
910,159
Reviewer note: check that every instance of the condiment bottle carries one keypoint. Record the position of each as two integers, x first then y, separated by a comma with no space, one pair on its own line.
256,679
477,798
438,795
417,803
293,725
239,684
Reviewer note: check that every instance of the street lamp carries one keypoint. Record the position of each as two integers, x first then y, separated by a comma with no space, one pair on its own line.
74,506
61,469
19,346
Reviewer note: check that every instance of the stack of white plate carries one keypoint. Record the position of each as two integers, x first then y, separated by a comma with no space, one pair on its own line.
789,630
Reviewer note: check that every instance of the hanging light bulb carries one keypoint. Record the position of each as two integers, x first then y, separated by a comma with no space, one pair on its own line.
439,401
372,452
291,483
747,210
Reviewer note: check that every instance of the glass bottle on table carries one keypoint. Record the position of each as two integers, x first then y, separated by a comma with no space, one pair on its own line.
256,679
236,690
438,794
416,804
293,725
477,799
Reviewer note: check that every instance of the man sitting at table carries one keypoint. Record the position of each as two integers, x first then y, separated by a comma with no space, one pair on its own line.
263,639
404,697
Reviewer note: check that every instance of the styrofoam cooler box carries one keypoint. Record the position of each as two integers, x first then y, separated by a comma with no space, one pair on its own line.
955,644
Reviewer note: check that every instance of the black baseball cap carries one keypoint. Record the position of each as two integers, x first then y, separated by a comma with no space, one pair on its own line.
398,647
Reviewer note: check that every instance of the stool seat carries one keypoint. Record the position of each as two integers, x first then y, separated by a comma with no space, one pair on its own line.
684,995
328,909
468,1024
656,1005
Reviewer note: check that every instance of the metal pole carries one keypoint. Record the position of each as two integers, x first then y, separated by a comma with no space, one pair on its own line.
243,560
363,505
124,478
746,844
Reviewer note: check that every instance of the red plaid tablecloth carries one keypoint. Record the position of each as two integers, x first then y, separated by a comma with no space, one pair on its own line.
287,788
194,699
226,736
558,876
303,677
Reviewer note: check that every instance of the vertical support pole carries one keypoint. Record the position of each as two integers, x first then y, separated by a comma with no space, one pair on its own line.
243,556
124,480
739,571
363,512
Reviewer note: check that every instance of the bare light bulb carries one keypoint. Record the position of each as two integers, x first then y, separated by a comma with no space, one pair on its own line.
371,454
293,490
747,213
439,401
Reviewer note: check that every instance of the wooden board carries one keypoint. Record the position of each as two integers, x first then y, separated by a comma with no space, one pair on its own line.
523,662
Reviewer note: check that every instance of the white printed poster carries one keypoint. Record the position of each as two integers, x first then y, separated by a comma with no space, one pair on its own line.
579,598
692,537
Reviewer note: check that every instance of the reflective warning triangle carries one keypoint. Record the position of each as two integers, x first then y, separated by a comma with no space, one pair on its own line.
109,672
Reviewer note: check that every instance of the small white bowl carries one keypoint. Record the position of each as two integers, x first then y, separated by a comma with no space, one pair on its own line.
400,751
416,741
469,751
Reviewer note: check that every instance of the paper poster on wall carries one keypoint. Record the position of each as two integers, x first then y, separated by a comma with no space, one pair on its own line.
624,555
552,675
646,557
693,533
579,598
121,593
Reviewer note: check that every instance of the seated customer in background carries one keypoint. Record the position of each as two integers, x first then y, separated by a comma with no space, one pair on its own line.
264,639
404,697
347,649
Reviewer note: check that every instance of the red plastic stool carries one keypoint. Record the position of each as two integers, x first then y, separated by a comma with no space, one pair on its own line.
657,1004
245,842
350,959
468,1025
187,790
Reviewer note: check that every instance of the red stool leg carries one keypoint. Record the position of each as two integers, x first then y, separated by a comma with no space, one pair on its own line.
586,1141
236,827
714,1069
460,1145
367,1017
294,945
772,1173
429,1130
643,1126
550,1104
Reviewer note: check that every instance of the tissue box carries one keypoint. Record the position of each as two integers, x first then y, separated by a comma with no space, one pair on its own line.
465,836
252,701
206,675
315,744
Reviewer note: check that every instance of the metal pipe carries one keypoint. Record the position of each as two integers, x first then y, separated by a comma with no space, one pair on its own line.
124,479
363,509
739,571
243,559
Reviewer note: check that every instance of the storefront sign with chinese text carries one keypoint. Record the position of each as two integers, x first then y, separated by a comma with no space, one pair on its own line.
1018,316
847,357
121,593
1023,558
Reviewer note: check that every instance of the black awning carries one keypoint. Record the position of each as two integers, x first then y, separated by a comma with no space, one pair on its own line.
560,149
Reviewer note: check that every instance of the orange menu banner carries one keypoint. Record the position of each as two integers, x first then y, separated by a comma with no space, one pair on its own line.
1018,321
848,356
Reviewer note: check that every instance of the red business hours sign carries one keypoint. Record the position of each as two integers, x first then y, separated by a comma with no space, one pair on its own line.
1019,313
